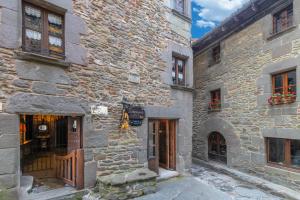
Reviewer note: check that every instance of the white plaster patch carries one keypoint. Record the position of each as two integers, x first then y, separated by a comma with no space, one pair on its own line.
99,110
134,78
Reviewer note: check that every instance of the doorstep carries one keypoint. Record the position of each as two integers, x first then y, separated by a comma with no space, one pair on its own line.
165,174
57,194
259,182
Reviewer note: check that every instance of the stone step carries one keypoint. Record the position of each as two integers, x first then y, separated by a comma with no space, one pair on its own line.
57,194
165,174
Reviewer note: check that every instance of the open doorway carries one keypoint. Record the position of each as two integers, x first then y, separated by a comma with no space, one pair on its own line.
162,145
51,151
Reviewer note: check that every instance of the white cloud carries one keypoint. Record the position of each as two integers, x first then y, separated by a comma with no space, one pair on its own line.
205,24
214,11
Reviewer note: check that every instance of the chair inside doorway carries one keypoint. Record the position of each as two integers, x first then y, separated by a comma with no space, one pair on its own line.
51,151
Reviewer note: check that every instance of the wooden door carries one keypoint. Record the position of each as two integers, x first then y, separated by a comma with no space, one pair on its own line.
74,133
172,144
163,136
153,155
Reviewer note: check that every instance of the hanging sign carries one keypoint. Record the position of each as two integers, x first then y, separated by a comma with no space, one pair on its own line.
136,115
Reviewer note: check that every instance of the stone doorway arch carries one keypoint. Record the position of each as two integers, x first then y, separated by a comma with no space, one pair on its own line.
228,132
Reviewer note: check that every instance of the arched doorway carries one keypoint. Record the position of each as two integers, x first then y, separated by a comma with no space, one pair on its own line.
217,149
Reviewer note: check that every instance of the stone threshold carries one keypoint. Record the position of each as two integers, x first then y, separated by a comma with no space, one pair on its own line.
165,174
259,182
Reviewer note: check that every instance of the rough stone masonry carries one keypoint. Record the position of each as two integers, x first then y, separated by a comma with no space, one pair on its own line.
105,42
249,57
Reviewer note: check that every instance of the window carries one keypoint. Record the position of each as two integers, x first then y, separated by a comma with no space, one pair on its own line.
215,100
179,6
284,152
284,88
43,31
283,19
178,71
216,55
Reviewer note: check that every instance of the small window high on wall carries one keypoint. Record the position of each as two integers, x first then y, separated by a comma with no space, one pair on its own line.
283,19
178,71
43,31
283,152
179,6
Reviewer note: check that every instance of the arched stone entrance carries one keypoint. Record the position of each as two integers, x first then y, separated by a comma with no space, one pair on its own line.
217,148
201,138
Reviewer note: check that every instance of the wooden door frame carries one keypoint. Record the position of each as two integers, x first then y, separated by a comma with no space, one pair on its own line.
169,122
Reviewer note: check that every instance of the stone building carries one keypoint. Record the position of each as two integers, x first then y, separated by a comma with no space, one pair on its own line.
246,105
68,69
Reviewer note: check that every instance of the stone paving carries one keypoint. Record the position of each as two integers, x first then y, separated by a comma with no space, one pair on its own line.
205,184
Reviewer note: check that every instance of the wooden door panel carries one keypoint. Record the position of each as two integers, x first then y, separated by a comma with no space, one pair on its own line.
153,154
74,136
172,135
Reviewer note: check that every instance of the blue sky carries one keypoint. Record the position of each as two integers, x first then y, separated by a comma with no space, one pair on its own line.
207,14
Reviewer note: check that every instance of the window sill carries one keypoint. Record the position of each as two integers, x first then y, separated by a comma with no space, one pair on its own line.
182,16
181,87
41,58
275,35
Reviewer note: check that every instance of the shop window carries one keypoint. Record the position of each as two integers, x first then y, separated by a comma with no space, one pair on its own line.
284,152
43,31
179,6
178,71
215,100
283,19
284,88
215,55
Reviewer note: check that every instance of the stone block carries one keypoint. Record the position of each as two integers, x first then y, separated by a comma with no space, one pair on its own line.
8,181
46,88
21,83
90,169
11,4
100,140
8,161
9,124
9,141
76,54
9,36
281,50
9,17
73,33
30,103
66,4
41,72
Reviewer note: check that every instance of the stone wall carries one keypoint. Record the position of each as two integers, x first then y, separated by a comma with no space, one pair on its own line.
106,41
248,58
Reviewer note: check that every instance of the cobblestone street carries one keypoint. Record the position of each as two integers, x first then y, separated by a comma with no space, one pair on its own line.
206,184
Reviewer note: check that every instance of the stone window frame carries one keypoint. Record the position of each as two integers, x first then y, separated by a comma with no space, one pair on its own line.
11,32
264,87
45,10
185,15
268,22
223,93
213,58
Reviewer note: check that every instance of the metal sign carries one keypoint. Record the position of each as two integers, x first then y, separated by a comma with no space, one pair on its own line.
136,115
